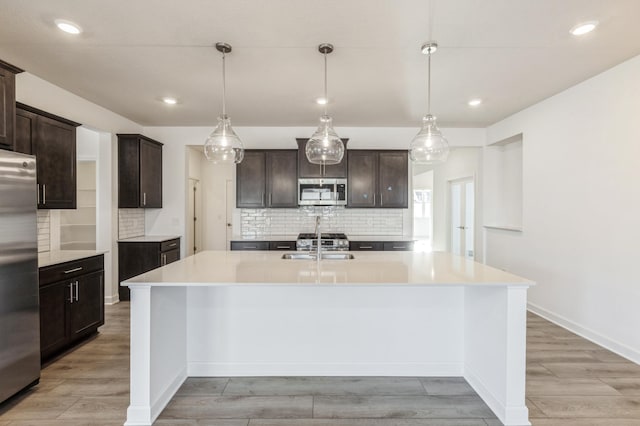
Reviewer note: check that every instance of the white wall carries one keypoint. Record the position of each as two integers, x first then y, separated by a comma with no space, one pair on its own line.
581,207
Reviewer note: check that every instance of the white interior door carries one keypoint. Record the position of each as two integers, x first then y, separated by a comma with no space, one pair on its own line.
462,217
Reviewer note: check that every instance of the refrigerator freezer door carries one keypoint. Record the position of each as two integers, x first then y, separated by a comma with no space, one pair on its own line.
19,309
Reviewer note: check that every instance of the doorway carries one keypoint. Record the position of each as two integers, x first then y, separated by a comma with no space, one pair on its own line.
462,217
194,230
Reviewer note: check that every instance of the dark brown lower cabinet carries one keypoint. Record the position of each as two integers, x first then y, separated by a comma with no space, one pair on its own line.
71,303
381,245
263,245
135,258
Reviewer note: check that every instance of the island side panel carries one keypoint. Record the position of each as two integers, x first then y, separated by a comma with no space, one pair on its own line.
158,350
325,331
495,348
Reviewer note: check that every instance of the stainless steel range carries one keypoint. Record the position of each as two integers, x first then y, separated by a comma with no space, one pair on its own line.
333,241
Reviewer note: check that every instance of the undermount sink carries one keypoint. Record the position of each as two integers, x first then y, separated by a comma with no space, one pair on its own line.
323,256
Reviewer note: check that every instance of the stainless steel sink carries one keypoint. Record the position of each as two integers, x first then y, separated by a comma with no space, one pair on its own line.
313,256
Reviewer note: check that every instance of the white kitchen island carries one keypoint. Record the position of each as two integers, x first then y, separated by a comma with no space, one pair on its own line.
223,313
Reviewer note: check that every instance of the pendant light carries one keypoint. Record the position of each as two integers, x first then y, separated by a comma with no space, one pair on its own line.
429,146
325,147
223,146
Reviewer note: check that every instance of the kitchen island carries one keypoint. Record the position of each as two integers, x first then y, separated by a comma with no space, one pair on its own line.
223,313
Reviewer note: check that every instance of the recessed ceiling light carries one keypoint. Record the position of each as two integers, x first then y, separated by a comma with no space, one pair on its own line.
584,28
68,26
170,101
321,101
474,102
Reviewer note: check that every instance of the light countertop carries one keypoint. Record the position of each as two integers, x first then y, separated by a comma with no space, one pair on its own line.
224,268
149,239
54,257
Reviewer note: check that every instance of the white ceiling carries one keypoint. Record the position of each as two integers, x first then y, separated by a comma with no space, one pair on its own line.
132,52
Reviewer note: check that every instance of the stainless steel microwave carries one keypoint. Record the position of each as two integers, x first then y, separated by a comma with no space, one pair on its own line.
322,192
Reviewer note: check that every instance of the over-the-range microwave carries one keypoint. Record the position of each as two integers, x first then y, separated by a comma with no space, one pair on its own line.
322,192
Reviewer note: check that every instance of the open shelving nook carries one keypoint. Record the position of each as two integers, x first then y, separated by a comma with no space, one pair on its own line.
78,227
504,184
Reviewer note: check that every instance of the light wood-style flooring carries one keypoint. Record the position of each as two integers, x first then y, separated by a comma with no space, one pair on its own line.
570,382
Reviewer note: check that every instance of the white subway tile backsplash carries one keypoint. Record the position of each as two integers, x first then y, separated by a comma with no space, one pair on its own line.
44,230
130,223
256,223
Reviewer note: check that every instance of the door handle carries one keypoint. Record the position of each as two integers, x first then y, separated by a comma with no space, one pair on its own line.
461,227
77,291
38,193
70,292
44,193
144,198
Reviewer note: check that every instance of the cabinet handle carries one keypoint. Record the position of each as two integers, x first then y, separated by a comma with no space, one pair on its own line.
144,198
77,291
399,247
262,198
366,247
164,259
173,244
44,193
73,270
251,247
38,193
283,247
374,199
270,199
70,292
381,199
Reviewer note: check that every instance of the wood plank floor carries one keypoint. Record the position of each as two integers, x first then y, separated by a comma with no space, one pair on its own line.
570,382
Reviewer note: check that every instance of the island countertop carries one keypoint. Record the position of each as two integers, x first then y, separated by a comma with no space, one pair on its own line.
224,268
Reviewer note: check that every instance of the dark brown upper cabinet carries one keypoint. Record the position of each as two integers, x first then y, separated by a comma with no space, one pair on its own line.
378,179
7,104
52,140
139,172
308,170
267,179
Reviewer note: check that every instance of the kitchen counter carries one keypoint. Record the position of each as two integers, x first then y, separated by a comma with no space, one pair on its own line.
54,257
235,313
149,239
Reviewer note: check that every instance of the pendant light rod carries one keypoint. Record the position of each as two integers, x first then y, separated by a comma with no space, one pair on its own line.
325,49
224,48
428,49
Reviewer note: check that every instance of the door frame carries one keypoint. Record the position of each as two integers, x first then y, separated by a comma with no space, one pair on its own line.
472,178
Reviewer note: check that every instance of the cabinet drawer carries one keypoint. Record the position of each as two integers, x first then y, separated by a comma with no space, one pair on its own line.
398,246
170,245
67,270
282,245
253,245
365,246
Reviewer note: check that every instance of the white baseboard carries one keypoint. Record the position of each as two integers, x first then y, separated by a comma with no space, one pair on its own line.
111,300
168,393
509,416
593,336
217,369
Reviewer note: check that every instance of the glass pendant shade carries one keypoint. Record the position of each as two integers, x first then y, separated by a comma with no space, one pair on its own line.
429,146
325,146
223,146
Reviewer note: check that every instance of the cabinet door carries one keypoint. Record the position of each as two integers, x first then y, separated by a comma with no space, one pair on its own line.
55,149
150,174
393,179
308,170
87,308
282,179
366,246
251,180
361,187
170,256
25,131
7,108
53,317
135,259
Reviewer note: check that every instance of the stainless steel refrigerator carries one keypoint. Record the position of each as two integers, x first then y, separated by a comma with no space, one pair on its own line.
19,309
